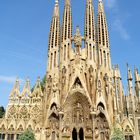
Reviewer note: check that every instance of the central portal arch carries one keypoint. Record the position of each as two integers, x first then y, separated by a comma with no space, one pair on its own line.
77,116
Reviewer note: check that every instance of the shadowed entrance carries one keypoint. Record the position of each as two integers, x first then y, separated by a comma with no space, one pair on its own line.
81,134
74,134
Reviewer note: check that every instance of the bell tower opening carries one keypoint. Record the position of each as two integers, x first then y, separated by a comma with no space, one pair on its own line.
74,134
81,134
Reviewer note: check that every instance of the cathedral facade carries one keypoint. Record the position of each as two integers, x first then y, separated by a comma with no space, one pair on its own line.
83,96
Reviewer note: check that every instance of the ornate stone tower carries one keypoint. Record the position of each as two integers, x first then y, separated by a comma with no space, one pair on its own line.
80,97
83,97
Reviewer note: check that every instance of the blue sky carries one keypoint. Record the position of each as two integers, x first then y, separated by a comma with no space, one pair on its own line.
24,30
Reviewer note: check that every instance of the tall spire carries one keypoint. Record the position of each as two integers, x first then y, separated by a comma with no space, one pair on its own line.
89,21
16,89
129,79
66,32
137,83
67,21
136,75
54,39
90,31
129,74
103,37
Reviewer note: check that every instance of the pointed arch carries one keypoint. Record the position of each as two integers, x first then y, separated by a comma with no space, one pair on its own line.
12,125
53,105
3,127
100,104
128,129
21,126
30,125
102,129
37,128
72,91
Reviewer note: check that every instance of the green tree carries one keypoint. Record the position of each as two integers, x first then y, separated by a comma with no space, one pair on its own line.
117,134
2,111
27,135
42,83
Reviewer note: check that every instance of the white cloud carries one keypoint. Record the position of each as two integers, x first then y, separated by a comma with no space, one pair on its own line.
111,3
117,22
119,27
9,79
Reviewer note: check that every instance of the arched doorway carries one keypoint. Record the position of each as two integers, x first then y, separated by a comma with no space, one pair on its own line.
81,134
74,134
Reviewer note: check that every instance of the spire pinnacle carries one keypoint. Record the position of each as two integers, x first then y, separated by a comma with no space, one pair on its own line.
129,74
136,74
56,2
100,6
100,0
89,1
56,8
67,2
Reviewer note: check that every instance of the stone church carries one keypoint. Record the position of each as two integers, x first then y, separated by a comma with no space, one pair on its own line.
83,97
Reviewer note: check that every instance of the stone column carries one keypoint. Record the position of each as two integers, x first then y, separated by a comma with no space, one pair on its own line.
93,114
6,136
15,136
61,114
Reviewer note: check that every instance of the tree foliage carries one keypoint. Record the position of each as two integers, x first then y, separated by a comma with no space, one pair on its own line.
27,135
117,134
42,83
2,111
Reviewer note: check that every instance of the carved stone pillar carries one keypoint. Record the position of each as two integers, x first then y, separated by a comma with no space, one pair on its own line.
61,114
93,114
6,136
15,136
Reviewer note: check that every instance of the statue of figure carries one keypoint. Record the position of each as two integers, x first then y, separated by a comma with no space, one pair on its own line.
77,40
106,78
49,80
90,70
64,75
55,88
91,75
64,70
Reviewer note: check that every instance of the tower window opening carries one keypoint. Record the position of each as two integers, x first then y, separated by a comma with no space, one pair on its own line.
101,56
104,59
93,52
90,52
68,50
55,59
108,60
64,52
51,61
